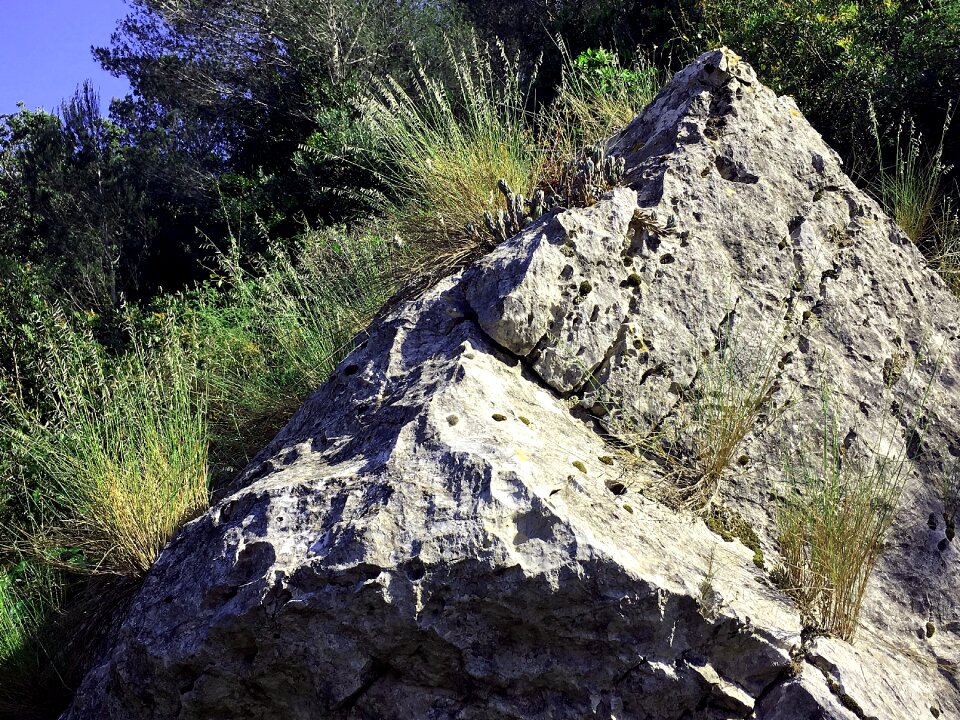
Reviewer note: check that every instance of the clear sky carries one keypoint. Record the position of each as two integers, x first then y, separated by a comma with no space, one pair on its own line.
45,50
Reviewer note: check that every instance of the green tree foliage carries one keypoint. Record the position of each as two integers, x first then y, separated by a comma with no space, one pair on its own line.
68,204
242,84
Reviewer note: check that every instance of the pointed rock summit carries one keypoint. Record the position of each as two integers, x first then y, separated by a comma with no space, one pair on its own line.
461,523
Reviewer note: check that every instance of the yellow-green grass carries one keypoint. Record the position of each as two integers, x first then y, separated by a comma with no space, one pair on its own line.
444,151
119,445
833,525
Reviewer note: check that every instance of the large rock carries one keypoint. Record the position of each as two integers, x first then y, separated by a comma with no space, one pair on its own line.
450,528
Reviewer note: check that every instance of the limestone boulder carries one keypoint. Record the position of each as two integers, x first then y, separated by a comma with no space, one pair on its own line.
456,524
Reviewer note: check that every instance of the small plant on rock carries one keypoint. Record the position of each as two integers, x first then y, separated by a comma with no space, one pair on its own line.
729,398
589,174
519,212
708,598
832,528
725,403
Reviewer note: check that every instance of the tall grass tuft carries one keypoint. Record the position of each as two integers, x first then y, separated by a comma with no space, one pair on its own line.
442,152
729,398
120,445
910,188
732,388
276,326
832,529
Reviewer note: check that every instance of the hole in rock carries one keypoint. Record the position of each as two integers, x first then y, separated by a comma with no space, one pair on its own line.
415,569
734,171
617,488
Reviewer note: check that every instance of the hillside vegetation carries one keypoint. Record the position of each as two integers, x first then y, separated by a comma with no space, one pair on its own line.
179,276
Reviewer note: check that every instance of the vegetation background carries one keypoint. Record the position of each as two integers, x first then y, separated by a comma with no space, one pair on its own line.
177,276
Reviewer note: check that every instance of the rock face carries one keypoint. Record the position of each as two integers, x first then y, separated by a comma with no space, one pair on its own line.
450,527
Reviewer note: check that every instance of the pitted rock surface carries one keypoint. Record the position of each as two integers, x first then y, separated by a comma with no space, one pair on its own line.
434,535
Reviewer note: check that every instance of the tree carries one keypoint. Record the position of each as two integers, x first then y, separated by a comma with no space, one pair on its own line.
225,92
68,204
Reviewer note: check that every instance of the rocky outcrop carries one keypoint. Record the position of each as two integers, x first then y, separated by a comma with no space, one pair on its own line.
451,526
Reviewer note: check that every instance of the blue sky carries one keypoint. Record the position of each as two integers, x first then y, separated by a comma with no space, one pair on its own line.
45,50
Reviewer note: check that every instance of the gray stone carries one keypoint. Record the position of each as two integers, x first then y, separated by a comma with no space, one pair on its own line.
434,534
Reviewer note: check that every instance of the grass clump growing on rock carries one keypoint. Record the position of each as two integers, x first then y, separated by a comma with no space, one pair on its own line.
447,155
832,529
724,404
442,152
597,97
694,444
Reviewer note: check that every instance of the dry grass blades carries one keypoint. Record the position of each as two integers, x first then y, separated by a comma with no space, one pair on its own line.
832,529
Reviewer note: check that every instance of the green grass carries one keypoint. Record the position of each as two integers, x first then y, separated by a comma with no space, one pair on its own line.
597,97
909,186
277,326
28,594
30,597
443,151
112,450
119,445
833,525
